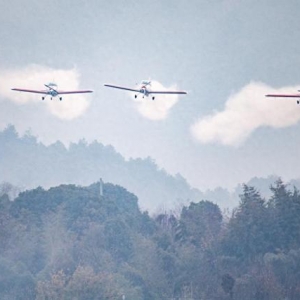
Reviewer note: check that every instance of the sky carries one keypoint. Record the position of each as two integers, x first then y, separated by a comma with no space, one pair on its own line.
226,54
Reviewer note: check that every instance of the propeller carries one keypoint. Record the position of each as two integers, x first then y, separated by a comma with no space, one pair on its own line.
50,87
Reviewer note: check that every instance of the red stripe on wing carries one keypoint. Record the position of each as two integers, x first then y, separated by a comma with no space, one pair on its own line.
284,96
74,92
31,91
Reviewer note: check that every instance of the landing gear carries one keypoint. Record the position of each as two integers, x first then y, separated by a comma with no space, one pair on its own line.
298,101
51,98
135,96
60,98
153,98
43,98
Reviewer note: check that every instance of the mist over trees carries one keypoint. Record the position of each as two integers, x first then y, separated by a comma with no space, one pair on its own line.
69,242
29,164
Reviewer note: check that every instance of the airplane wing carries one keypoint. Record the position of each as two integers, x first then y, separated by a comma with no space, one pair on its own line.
73,92
122,88
168,92
45,92
284,96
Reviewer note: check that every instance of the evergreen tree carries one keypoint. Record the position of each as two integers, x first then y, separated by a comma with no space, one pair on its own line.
284,207
247,230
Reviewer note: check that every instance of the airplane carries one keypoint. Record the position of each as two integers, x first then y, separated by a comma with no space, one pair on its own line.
51,91
286,96
144,90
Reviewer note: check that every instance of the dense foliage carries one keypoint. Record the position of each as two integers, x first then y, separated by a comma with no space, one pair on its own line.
69,242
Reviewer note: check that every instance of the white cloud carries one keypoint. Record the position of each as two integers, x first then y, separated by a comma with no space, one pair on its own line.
246,111
34,77
160,107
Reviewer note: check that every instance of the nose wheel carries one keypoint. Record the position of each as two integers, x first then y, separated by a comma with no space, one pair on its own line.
153,98
60,98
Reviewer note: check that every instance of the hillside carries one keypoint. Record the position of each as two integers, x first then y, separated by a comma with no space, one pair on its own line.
29,164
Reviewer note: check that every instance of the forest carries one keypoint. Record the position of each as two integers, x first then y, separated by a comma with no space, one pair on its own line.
72,242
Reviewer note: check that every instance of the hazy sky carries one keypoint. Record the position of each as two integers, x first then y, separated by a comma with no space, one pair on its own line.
226,54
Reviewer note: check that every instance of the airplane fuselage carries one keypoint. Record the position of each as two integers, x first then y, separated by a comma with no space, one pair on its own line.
144,91
143,88
52,89
53,93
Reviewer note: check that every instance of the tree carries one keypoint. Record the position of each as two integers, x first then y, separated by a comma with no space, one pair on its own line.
228,284
117,240
247,232
284,207
200,223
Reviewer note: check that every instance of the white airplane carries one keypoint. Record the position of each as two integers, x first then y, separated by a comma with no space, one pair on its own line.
286,96
52,91
144,90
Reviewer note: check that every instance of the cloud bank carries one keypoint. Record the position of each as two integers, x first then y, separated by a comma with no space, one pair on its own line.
245,112
159,108
34,77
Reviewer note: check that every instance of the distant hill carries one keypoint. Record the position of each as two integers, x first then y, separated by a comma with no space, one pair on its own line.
28,163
